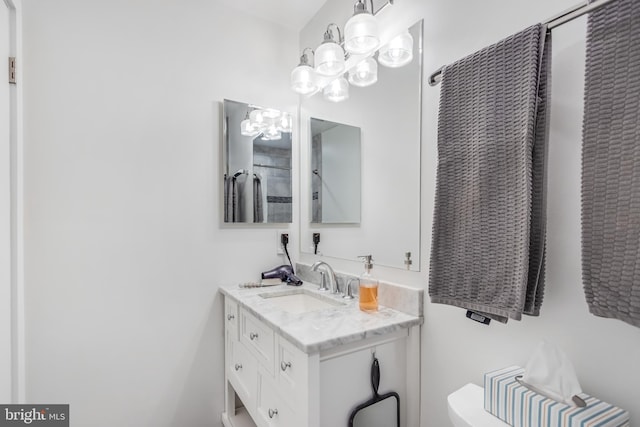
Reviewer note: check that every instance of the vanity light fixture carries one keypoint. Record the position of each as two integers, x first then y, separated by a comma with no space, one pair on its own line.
361,35
329,56
361,40
398,52
303,77
365,73
337,90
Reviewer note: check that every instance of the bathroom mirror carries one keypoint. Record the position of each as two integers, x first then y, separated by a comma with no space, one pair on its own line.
389,116
257,169
335,172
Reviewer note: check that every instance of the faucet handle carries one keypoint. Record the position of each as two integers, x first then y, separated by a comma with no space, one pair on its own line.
348,294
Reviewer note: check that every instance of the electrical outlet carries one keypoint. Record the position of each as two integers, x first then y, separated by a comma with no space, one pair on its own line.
279,237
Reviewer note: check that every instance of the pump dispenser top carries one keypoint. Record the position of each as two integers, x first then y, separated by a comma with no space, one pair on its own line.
368,286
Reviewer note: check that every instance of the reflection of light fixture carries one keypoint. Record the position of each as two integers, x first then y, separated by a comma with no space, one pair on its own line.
398,52
303,77
361,30
365,73
329,55
266,121
246,128
285,124
337,90
257,119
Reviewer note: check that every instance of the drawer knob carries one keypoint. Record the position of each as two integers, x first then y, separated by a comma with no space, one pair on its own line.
272,412
238,366
253,336
285,365
230,317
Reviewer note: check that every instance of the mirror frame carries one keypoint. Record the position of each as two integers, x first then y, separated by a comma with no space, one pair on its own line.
225,171
308,227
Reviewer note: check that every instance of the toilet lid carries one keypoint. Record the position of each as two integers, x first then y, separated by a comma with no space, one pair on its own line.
466,408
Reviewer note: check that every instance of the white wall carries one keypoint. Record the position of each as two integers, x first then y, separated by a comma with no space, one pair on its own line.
124,247
456,350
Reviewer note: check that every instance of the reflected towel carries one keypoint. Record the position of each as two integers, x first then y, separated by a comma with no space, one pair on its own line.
258,210
611,163
489,223
231,206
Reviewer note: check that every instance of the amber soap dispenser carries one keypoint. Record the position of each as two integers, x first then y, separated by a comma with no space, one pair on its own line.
368,286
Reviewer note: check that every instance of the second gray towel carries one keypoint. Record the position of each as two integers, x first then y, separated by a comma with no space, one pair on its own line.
611,163
489,221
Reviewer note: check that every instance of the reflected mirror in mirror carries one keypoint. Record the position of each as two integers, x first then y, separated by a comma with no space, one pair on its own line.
388,114
257,169
335,172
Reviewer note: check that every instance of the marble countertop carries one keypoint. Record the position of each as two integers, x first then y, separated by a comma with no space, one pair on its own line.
319,330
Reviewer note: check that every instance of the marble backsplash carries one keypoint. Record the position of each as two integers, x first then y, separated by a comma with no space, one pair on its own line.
402,298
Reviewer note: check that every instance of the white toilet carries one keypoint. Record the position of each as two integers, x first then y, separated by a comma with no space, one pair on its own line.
466,408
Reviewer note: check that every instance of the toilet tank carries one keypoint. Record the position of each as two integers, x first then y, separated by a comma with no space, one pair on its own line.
466,408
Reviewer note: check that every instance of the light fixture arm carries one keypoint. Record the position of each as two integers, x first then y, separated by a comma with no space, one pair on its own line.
304,59
328,35
361,7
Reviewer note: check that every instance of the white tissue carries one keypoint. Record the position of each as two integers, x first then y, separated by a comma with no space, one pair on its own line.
551,371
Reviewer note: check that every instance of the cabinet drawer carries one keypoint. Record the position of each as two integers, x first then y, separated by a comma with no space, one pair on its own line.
242,371
272,409
292,368
259,338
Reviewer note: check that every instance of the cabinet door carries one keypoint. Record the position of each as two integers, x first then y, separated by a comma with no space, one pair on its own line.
292,366
242,372
259,339
230,313
273,409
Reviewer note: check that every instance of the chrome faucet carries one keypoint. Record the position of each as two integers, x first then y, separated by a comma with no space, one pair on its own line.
327,271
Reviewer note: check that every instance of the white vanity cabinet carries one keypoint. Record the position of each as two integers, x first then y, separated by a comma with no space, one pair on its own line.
269,375
271,382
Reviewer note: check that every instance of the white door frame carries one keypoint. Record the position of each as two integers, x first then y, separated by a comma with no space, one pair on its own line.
17,363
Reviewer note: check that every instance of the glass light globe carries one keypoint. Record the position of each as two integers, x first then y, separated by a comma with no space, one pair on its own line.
365,73
271,113
361,34
337,90
329,59
303,79
272,133
257,120
284,123
398,52
247,129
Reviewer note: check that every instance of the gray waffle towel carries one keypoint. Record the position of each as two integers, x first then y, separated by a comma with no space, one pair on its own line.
489,221
611,163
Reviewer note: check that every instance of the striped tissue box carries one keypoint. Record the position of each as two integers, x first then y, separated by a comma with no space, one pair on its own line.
518,406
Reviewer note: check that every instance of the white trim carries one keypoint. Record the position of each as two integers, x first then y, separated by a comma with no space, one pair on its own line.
17,207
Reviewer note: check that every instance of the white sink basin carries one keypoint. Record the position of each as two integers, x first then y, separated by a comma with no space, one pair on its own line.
300,301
